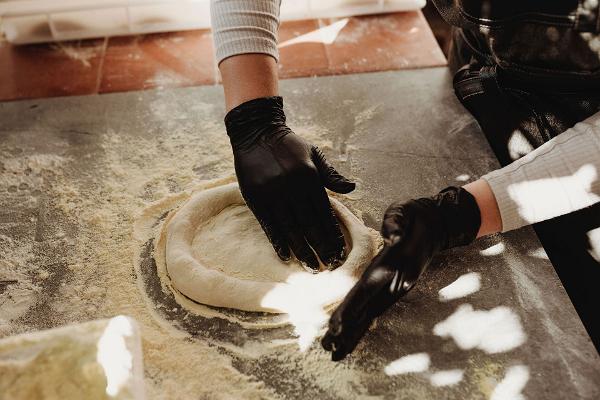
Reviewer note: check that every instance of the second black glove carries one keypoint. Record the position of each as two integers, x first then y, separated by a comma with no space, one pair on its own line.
414,232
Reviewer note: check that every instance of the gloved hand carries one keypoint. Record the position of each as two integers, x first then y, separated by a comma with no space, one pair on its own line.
281,178
413,233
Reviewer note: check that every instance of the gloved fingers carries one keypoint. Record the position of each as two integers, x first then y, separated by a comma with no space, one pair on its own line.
343,342
332,179
327,249
374,283
357,304
330,342
369,297
335,345
273,231
302,251
393,225
333,340
351,320
346,329
332,247
295,238
317,237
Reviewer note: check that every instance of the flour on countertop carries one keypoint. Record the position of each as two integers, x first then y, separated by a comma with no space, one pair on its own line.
88,220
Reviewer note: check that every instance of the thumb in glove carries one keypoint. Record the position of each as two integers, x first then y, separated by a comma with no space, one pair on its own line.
331,179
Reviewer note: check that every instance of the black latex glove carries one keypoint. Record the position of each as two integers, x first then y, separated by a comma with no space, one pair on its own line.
282,179
413,233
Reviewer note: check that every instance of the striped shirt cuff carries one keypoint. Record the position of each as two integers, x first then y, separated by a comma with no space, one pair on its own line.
245,27
557,178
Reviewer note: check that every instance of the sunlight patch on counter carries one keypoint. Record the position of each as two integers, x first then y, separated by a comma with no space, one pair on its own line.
465,285
446,378
494,250
114,356
418,362
513,383
494,331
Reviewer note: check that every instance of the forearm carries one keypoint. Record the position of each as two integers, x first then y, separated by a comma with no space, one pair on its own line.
247,77
245,39
559,177
491,222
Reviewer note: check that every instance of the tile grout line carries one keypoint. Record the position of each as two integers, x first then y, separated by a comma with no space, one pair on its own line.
101,66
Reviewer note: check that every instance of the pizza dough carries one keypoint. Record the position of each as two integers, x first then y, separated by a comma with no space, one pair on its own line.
217,255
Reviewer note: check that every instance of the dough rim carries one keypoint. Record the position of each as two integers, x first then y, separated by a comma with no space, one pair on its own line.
211,287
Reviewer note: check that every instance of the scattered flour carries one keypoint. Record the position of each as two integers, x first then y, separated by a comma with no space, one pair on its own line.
97,278
77,259
21,281
165,78
367,114
99,201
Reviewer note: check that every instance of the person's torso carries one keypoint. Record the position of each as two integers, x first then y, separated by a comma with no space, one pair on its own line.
537,39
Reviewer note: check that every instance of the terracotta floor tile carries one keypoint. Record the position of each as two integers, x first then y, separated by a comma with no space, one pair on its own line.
48,70
301,52
307,48
383,42
158,60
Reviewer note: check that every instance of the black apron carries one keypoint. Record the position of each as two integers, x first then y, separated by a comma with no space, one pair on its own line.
528,70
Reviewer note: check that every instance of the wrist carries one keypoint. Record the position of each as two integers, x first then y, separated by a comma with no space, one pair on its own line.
460,216
247,77
491,220
253,119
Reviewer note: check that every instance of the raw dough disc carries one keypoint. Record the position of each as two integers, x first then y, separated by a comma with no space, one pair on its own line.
217,254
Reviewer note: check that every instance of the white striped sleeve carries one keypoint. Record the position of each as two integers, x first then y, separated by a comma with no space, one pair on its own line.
244,26
559,177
